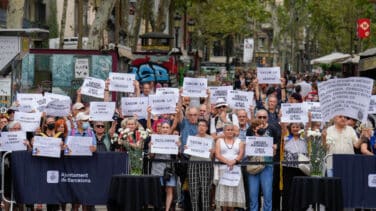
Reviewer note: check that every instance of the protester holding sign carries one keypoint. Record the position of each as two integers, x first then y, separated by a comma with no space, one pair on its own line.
217,122
164,170
200,175
293,145
229,150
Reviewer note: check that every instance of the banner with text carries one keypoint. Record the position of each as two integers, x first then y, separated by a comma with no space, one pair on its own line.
134,106
93,87
218,92
78,146
60,180
102,111
122,82
195,87
162,104
259,146
199,146
372,105
164,144
294,112
269,75
239,99
248,47
168,91
46,147
231,177
345,96
12,141
315,109
30,102
29,121
81,68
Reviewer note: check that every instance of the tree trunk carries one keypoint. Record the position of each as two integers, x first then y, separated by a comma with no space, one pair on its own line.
117,21
62,24
124,29
100,23
80,24
137,23
15,14
161,16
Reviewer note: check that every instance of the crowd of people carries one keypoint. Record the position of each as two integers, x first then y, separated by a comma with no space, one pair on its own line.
195,184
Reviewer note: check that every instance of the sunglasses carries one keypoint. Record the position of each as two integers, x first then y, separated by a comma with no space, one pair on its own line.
99,126
221,106
262,117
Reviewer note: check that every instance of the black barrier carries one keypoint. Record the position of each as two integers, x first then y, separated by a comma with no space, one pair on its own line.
356,172
243,163
77,179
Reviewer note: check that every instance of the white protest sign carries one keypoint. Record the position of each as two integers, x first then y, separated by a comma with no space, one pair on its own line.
55,97
134,106
10,47
12,141
164,144
195,87
248,50
162,104
315,109
239,99
29,121
5,89
78,146
372,180
93,87
372,105
218,92
231,177
59,108
46,146
294,112
259,146
199,146
345,96
81,68
121,82
167,91
269,75
102,111
29,102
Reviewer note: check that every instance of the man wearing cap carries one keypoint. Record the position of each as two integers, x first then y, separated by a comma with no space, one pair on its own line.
217,123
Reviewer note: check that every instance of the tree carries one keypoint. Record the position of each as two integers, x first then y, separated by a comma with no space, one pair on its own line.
15,13
99,23
62,24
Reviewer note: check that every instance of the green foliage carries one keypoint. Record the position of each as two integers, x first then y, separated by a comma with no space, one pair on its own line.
52,21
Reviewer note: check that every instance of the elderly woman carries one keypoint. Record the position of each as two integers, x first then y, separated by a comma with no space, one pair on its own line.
229,151
293,145
130,139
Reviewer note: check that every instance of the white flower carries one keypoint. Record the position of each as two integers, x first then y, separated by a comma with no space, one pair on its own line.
329,140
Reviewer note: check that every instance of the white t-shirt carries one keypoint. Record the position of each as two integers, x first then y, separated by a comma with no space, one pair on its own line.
340,142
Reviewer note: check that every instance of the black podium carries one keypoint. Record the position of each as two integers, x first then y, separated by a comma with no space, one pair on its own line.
131,192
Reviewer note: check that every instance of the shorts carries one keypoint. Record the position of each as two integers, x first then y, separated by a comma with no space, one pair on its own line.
170,183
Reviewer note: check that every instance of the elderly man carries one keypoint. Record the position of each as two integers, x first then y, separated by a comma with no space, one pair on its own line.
339,139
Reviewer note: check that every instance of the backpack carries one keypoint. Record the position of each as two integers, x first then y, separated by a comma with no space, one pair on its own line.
217,118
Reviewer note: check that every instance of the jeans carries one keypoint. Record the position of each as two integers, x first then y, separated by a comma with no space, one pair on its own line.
329,172
265,177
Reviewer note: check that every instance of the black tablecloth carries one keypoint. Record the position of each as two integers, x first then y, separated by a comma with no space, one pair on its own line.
316,190
130,192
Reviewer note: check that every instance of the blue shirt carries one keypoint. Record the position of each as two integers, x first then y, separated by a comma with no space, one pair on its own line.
187,129
86,133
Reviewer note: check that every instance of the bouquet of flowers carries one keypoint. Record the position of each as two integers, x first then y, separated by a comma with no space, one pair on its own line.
316,151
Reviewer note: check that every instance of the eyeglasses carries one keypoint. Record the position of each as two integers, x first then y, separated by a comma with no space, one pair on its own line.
192,114
99,126
262,117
